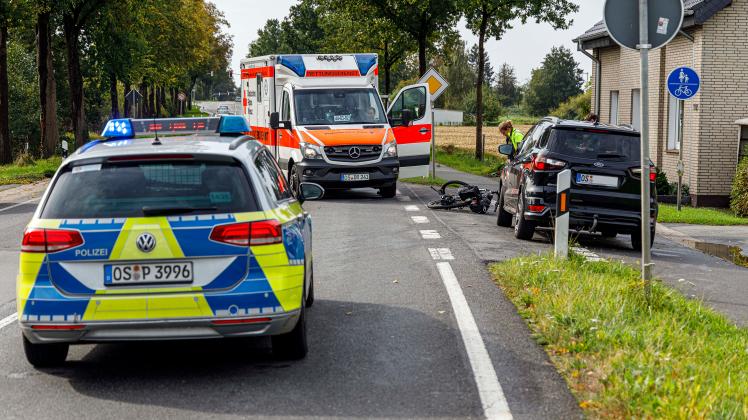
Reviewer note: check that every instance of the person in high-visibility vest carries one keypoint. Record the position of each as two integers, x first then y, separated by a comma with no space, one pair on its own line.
513,136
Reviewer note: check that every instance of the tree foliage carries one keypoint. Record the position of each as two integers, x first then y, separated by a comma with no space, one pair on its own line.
507,86
558,79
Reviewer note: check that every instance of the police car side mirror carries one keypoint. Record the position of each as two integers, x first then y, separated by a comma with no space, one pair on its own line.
506,149
274,120
310,191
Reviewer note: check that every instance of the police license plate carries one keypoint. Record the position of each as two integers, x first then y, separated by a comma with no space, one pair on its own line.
124,274
354,177
601,180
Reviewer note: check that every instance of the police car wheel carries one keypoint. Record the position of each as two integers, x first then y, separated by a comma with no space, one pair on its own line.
45,355
310,294
293,344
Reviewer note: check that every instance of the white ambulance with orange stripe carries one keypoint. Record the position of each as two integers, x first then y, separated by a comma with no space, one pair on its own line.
323,119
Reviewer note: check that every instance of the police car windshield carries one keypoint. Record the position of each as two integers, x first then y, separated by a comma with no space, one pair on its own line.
138,189
595,144
338,106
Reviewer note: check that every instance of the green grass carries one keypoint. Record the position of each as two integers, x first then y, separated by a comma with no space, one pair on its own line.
699,216
621,357
465,161
425,181
195,112
14,174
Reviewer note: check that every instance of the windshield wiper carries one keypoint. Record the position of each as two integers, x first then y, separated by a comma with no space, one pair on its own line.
165,211
610,156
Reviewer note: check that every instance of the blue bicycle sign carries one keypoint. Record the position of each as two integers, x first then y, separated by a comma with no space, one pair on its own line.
683,83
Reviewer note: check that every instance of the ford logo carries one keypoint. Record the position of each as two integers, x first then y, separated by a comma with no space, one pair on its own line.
354,152
599,164
146,242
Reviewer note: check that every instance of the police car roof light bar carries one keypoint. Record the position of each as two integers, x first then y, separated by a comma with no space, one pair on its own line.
124,128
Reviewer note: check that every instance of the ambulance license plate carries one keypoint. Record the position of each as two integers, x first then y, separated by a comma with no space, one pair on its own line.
125,274
354,177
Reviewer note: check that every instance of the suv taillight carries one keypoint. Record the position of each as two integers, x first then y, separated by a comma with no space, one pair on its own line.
637,171
263,232
50,240
543,163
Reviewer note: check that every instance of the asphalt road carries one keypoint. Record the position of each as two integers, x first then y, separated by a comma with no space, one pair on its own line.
387,338
212,106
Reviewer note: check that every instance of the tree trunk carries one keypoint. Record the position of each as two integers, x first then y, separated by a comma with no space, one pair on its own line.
386,68
421,55
479,89
145,111
47,86
189,93
75,80
152,103
6,151
113,95
125,103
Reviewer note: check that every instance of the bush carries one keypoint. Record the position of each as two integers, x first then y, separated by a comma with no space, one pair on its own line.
663,186
575,108
739,195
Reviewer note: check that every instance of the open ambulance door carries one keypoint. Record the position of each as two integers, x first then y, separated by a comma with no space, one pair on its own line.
414,140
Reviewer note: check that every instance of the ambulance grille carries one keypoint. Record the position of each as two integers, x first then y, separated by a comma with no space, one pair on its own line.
353,153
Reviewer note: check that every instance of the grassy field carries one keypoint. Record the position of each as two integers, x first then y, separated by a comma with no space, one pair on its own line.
623,357
14,174
464,137
699,216
425,181
464,160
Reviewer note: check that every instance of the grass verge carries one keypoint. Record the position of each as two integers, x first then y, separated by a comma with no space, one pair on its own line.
424,181
464,160
622,357
15,174
699,216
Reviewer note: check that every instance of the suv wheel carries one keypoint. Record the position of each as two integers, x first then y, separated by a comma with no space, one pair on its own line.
45,355
504,218
388,191
636,239
523,229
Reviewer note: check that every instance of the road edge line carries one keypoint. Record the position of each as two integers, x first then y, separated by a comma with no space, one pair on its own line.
18,204
489,389
8,320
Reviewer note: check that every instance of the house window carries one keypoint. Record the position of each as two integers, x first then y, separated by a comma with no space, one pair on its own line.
614,107
673,123
636,114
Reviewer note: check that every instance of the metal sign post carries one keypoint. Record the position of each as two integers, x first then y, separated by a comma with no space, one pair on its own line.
644,25
437,85
563,187
432,173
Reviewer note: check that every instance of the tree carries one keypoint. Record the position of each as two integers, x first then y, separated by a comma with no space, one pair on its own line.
490,18
506,85
554,82
488,73
456,68
47,83
268,41
299,33
421,19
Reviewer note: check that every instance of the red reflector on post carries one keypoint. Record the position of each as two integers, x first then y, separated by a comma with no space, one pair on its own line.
562,205
72,327
240,321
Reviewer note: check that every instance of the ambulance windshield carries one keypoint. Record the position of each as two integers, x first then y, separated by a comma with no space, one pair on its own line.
338,107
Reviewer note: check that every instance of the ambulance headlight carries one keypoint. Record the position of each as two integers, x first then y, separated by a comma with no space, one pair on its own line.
390,149
310,151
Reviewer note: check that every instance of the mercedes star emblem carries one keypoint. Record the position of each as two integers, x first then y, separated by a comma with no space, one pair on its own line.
354,152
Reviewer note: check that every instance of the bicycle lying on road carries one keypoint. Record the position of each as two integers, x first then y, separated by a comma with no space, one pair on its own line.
466,195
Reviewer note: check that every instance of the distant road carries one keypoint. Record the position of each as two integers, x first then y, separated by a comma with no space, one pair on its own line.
211,107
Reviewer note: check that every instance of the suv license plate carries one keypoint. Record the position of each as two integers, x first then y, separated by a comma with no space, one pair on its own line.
124,274
602,180
354,177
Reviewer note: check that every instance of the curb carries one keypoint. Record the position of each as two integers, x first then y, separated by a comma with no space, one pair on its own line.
676,236
23,192
732,254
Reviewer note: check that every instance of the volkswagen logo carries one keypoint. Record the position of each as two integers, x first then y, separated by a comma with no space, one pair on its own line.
146,242
354,152
599,164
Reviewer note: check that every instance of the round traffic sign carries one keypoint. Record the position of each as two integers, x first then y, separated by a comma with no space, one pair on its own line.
182,97
621,18
683,83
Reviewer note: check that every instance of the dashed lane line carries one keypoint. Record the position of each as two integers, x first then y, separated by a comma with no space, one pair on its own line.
489,389
8,320
430,234
419,219
441,254
18,204
411,208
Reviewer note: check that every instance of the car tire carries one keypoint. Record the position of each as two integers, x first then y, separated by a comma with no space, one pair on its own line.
310,294
503,218
636,239
389,191
523,229
293,344
45,355
295,181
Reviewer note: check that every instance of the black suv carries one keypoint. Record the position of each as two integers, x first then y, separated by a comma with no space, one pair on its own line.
605,180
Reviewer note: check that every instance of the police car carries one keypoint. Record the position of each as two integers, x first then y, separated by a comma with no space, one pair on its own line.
188,233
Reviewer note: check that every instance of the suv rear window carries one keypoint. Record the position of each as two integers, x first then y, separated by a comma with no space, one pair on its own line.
137,189
595,144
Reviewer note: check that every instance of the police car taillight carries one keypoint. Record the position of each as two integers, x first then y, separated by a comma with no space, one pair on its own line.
50,240
264,232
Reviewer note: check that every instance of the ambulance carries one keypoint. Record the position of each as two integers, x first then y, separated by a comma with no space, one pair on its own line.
322,118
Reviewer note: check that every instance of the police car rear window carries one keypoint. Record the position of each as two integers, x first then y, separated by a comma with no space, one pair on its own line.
137,189
595,144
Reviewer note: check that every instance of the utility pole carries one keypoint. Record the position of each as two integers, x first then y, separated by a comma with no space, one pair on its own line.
644,48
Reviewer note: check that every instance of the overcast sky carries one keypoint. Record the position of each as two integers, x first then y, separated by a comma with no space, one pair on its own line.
523,47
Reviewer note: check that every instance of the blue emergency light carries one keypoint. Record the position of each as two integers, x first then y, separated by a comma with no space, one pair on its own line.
365,62
294,62
118,129
232,124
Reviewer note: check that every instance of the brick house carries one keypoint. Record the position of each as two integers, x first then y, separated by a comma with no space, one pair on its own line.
714,41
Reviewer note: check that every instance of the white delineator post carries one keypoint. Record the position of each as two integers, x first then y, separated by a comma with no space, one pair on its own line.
433,143
644,48
563,187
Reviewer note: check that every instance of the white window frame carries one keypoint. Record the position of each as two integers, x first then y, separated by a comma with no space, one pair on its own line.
614,98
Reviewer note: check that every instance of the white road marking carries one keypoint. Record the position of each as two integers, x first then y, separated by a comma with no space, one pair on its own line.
403,198
430,234
8,320
419,219
19,204
441,254
489,389
412,208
